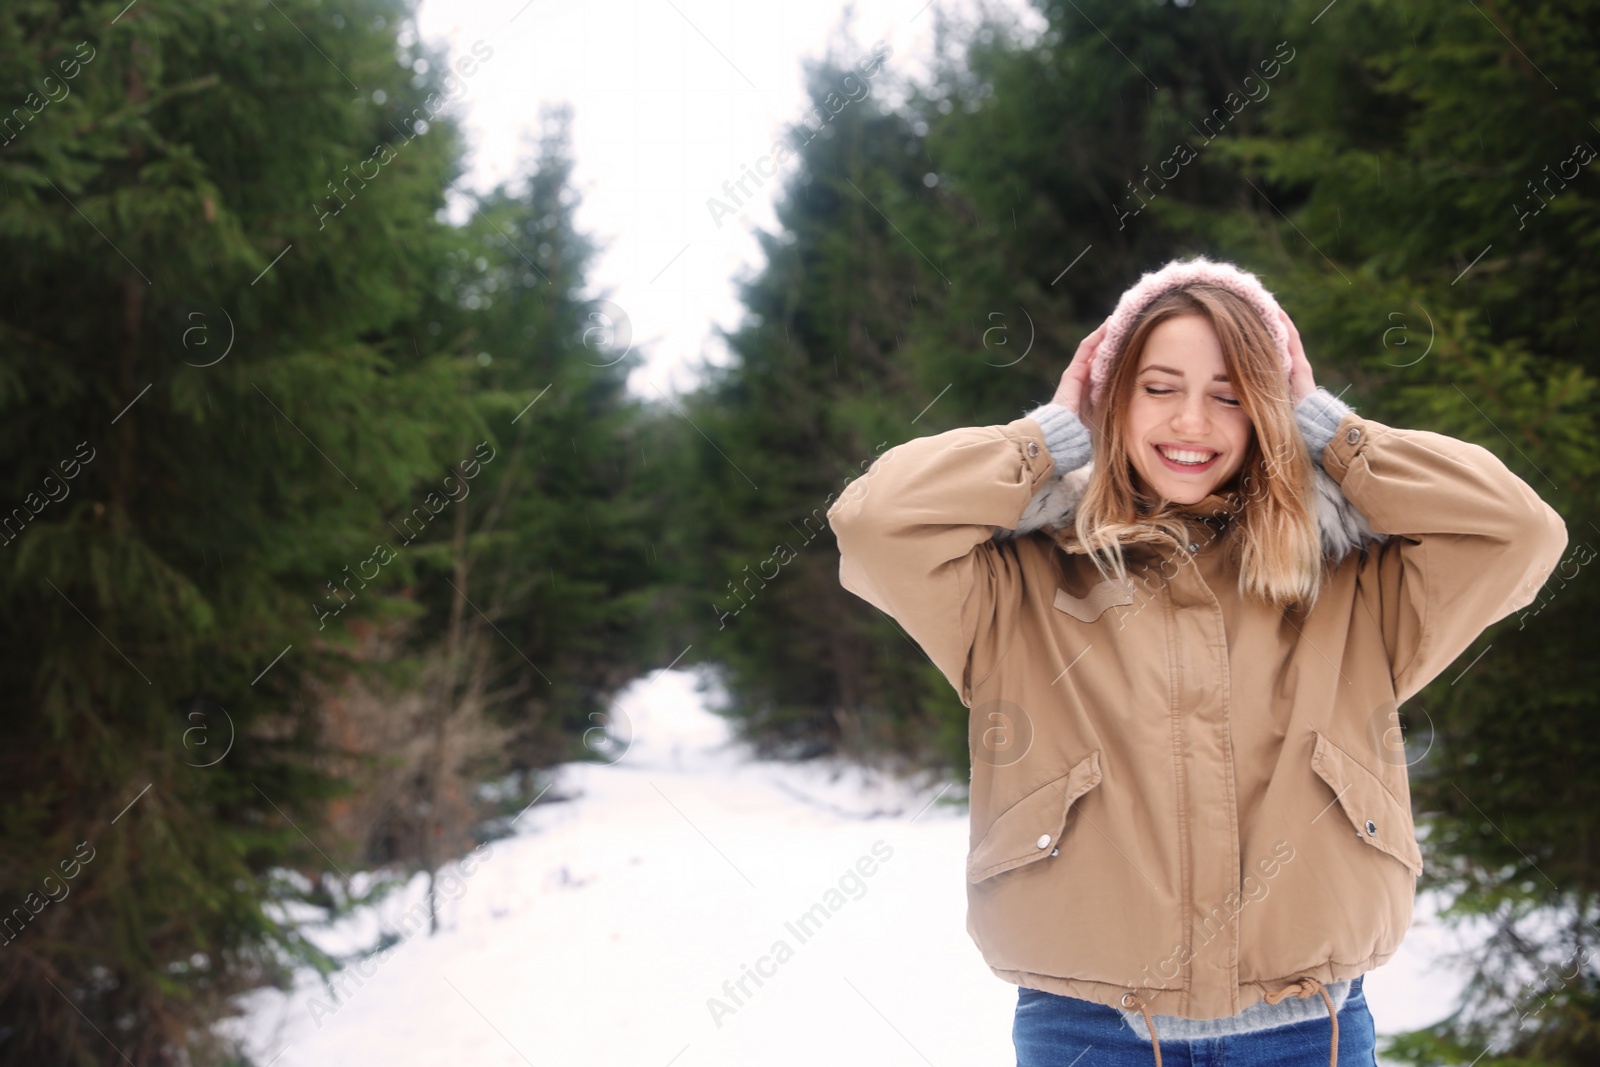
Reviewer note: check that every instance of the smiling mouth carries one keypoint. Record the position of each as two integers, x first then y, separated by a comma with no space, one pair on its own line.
1186,460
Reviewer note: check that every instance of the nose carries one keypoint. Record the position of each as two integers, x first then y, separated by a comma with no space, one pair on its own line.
1191,419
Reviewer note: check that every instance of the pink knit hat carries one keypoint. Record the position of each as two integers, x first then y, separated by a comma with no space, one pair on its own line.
1175,275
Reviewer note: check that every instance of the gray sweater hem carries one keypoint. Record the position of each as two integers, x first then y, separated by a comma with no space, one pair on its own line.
1258,1016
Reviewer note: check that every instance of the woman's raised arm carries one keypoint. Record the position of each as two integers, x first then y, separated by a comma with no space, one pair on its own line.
915,530
1470,541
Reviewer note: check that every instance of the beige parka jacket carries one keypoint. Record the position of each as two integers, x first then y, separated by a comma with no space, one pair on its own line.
1182,800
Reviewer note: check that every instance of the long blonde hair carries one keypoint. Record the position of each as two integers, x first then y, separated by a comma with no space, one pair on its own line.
1270,500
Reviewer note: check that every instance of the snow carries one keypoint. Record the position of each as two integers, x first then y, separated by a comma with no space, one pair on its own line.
602,931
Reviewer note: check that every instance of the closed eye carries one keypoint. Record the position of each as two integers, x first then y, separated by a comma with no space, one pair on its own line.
1155,391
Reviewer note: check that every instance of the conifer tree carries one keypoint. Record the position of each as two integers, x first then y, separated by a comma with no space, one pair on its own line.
818,388
207,234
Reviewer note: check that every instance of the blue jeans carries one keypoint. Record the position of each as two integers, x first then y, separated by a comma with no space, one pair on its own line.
1056,1031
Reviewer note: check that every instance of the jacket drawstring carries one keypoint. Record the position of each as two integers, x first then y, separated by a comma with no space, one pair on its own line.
1134,1000
1301,987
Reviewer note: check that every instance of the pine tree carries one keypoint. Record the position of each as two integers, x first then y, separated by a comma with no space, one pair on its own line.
1436,155
534,581
205,242
817,390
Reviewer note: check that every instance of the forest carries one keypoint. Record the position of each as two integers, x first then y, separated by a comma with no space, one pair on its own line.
248,358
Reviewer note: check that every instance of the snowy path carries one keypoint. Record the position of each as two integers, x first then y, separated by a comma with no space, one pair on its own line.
600,932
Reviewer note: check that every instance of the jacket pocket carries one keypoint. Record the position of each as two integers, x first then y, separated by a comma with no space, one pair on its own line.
1377,815
1109,593
1031,828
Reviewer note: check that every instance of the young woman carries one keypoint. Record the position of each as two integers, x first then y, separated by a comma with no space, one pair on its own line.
1182,602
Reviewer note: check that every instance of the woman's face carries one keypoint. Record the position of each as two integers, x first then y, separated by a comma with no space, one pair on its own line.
1184,408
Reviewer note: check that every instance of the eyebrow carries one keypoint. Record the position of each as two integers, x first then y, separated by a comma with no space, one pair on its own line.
1179,373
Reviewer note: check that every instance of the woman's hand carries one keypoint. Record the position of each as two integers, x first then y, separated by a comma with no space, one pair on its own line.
1073,392
1301,383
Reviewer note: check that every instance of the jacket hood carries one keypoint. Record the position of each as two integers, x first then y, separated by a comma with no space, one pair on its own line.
1053,509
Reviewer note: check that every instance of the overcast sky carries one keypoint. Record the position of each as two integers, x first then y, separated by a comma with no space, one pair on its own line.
671,98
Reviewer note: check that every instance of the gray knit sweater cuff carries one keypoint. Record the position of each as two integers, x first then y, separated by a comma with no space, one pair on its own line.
1319,414
1065,436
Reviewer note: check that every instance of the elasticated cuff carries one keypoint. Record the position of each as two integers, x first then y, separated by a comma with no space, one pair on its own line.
1319,414
1065,436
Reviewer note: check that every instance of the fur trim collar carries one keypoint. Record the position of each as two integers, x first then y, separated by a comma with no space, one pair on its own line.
1342,527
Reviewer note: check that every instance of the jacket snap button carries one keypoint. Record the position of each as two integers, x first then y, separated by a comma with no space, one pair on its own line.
1194,546
1372,828
1354,435
1033,448
1044,840
1055,852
